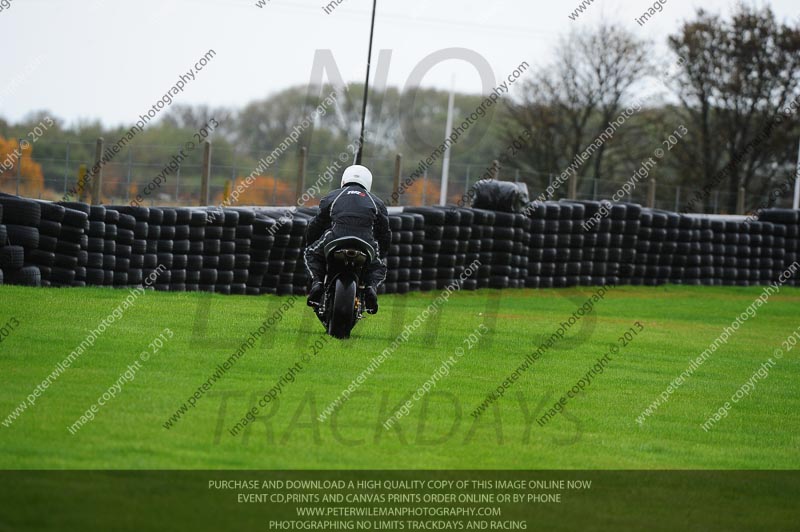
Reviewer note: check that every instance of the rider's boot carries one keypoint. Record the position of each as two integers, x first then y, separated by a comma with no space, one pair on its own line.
371,299
315,294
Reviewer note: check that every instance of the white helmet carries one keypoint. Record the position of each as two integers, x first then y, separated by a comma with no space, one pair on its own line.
357,174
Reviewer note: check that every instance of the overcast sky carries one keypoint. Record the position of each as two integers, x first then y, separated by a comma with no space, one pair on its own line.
112,59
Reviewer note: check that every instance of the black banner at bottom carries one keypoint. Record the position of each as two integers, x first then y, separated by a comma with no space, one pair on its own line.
399,500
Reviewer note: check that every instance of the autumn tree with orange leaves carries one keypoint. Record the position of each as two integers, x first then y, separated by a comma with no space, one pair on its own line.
31,181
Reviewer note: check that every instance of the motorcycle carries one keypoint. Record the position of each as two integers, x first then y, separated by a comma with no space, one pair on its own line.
342,304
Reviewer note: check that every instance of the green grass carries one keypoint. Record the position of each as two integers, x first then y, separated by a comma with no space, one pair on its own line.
598,431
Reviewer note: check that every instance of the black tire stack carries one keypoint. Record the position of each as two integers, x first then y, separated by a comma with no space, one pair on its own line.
21,218
731,272
785,241
502,246
520,250
227,252
212,246
404,266
156,258
392,257
242,249
181,246
121,253
665,231
685,268
536,213
132,233
434,233
294,262
480,245
286,254
45,256
705,251
234,250
578,268
260,247
760,255
126,236
96,248
414,260
281,235
464,250
3,239
647,251
75,230
198,219
718,251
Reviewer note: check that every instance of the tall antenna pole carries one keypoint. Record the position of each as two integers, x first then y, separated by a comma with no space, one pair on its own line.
447,132
796,202
366,85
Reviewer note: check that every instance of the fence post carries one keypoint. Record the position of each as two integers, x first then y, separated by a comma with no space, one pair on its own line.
66,170
83,173
651,194
97,179
573,187
275,175
594,189
301,174
424,187
19,162
496,169
677,198
398,166
178,183
130,172
740,201
205,180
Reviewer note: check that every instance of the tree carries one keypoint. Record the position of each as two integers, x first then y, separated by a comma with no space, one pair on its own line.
735,78
32,179
571,101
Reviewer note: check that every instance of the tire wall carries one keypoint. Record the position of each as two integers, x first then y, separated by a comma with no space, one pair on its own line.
257,251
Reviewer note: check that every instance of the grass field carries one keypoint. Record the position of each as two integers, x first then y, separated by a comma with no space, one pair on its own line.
598,429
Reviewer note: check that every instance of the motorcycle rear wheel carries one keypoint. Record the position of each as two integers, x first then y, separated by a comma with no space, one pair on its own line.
342,312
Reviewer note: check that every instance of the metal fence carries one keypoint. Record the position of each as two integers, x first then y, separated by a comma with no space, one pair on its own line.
130,172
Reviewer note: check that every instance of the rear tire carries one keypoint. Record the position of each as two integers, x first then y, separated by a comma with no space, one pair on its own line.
343,309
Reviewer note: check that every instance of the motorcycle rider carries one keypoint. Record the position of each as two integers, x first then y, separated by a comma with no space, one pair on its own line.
351,210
